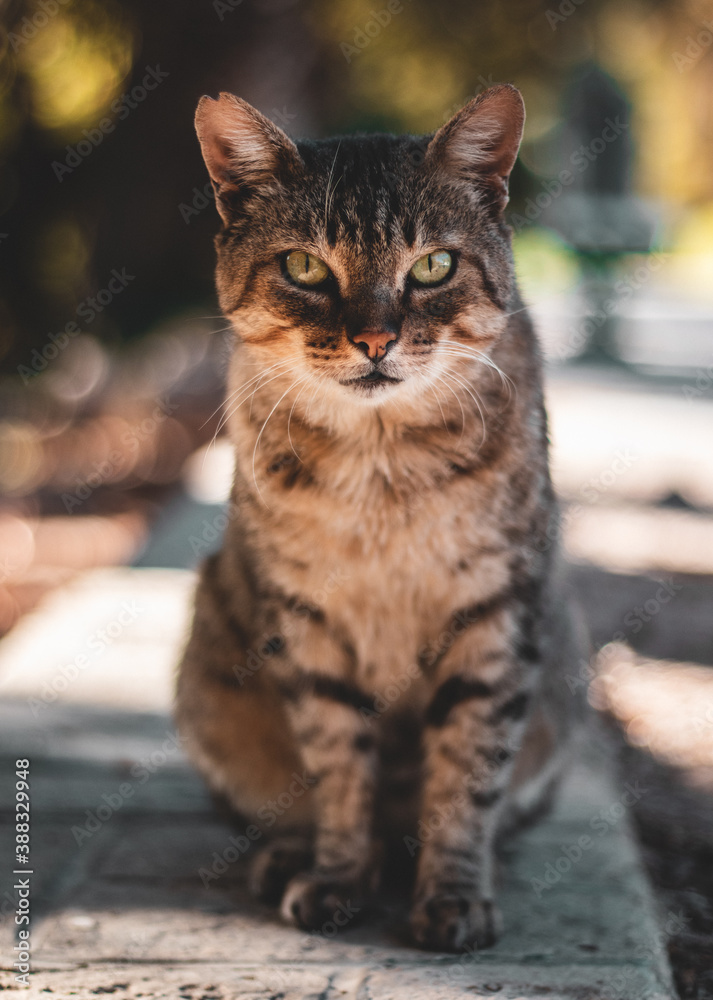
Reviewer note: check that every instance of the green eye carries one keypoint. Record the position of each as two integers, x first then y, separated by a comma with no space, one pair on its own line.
305,268
432,268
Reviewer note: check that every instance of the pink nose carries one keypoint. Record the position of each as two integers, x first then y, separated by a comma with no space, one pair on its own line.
376,342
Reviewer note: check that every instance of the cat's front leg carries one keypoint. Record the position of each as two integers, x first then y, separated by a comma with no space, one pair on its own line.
473,727
339,755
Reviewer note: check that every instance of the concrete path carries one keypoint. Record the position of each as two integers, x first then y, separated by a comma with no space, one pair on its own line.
122,831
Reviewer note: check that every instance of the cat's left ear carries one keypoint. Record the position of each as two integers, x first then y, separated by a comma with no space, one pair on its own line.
480,143
242,149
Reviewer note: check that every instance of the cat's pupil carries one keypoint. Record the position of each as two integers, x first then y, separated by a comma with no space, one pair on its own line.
432,267
306,269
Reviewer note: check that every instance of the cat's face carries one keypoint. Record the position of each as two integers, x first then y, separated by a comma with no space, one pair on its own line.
372,266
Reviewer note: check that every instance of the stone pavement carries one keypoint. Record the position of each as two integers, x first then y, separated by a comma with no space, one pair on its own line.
121,828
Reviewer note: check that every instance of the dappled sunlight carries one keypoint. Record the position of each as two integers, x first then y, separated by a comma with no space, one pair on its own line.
91,448
665,708
108,637
615,438
46,552
636,539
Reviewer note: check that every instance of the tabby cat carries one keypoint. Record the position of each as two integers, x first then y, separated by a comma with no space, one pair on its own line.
378,648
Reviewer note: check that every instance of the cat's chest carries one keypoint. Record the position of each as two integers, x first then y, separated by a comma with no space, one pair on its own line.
390,555
372,509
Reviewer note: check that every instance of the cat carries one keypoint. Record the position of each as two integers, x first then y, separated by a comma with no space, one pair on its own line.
379,648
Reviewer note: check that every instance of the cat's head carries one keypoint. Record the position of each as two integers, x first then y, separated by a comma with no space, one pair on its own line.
372,264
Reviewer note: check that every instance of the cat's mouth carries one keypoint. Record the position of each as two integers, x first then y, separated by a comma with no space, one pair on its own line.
372,379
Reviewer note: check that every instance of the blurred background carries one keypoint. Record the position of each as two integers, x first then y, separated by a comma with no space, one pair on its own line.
112,351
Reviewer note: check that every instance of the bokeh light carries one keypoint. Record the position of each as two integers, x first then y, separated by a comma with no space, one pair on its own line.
86,34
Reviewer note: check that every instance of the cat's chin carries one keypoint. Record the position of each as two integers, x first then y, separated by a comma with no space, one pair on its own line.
370,395
371,386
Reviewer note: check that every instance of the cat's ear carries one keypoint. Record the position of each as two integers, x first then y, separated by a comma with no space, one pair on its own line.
481,141
242,149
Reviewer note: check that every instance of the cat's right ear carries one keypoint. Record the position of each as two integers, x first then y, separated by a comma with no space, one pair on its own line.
242,149
480,143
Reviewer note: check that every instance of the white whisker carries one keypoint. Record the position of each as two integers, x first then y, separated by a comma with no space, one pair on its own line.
257,442
289,418
283,365
507,383
330,194
483,358
438,400
440,378
235,392
524,308
311,398
471,390
233,409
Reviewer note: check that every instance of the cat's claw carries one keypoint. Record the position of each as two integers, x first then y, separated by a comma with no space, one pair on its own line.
276,864
447,922
316,902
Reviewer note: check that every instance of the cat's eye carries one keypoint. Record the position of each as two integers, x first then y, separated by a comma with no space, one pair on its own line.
306,269
432,268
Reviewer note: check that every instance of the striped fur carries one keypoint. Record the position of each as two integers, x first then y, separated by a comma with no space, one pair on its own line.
385,617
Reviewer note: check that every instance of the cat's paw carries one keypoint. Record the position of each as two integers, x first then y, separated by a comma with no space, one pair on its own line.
276,864
316,902
448,922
